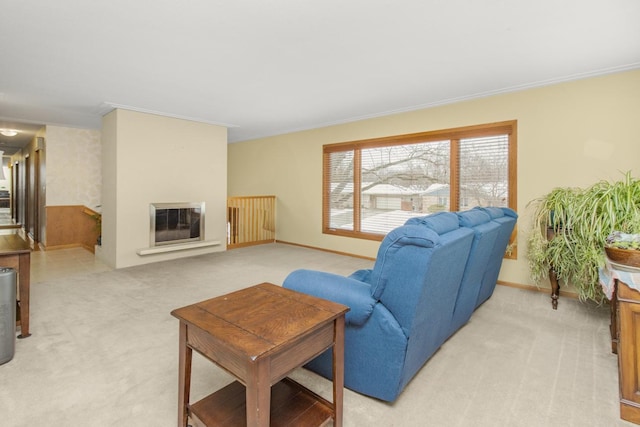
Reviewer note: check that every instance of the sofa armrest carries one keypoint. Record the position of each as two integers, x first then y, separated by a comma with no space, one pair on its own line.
354,294
361,275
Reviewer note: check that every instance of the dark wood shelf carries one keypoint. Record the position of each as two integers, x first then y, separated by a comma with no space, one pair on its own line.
291,405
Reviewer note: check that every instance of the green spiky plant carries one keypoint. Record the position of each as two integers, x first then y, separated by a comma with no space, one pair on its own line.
570,227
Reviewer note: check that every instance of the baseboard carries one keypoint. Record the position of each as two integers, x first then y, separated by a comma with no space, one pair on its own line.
536,289
10,226
500,282
69,246
326,250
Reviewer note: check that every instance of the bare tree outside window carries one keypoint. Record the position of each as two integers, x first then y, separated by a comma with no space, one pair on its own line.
374,186
341,189
484,171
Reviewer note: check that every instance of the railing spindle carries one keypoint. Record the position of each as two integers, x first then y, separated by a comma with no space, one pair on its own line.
250,220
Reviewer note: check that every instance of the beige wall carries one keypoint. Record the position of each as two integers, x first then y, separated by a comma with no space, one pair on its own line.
148,159
108,250
73,166
569,134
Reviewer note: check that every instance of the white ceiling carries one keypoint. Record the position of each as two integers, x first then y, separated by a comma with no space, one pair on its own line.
268,67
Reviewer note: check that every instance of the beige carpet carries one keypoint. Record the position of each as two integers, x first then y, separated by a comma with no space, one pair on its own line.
104,352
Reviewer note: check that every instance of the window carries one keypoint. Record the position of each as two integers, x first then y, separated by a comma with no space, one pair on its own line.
373,186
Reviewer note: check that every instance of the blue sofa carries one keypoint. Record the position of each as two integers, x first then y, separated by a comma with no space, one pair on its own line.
429,276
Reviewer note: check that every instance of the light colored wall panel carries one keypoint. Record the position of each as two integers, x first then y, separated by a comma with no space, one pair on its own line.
569,134
74,166
149,158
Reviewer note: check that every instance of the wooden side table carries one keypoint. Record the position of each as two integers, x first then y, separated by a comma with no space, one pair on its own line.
259,335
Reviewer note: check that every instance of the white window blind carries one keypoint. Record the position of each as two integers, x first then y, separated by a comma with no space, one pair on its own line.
484,171
396,183
341,168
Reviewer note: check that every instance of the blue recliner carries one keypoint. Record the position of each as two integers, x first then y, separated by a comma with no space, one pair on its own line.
485,234
506,218
401,310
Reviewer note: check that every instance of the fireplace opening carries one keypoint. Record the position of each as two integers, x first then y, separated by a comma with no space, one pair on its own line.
173,223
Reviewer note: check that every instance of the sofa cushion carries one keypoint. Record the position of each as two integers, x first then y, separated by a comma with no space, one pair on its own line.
491,211
486,232
506,217
387,261
441,222
473,218
354,294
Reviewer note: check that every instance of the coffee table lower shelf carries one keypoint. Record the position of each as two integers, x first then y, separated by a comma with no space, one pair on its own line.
291,405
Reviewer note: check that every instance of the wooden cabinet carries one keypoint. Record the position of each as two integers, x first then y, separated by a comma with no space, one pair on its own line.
628,346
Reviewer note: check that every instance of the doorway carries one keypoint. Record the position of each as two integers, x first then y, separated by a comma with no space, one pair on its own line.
7,190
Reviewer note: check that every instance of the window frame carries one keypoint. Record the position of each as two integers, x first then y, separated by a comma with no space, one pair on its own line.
453,135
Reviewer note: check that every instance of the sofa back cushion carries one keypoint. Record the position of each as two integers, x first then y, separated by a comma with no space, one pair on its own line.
403,251
485,234
422,283
506,218
441,222
422,286
425,313
473,218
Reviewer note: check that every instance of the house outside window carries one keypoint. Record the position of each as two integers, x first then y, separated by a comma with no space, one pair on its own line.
373,186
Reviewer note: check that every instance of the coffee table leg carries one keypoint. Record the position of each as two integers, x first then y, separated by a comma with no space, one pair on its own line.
258,395
184,376
338,371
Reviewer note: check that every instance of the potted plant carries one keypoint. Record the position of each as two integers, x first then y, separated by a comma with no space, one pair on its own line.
623,249
98,219
570,230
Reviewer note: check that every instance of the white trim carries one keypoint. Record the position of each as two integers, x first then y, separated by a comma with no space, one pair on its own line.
107,107
448,101
177,247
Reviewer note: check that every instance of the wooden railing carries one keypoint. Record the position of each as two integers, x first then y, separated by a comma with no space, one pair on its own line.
251,220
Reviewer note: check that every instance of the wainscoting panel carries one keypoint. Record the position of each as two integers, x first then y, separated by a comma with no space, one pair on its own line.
72,226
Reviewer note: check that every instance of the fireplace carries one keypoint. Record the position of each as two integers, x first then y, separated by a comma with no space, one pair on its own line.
173,223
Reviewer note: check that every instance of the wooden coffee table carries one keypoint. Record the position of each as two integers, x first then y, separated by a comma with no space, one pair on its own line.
259,335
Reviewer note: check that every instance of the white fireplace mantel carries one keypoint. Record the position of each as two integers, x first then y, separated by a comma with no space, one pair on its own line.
177,247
